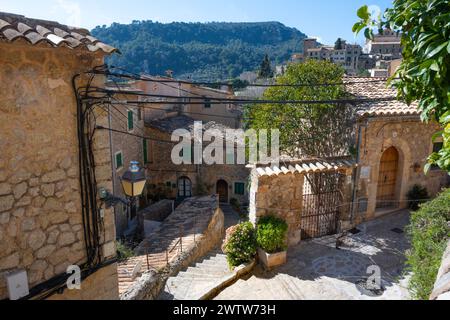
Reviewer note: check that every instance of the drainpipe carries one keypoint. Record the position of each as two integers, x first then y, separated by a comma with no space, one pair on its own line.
356,173
112,158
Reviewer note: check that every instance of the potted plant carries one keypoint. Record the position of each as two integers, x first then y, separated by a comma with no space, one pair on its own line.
271,237
240,244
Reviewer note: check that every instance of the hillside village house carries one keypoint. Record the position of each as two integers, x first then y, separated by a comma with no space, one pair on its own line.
393,146
195,105
167,180
319,197
41,221
128,122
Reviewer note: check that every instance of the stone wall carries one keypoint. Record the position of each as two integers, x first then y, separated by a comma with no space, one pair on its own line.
442,287
413,141
282,195
156,212
131,148
41,227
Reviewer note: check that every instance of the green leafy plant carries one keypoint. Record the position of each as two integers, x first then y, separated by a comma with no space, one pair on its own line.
424,74
429,233
240,245
123,251
416,196
271,234
318,130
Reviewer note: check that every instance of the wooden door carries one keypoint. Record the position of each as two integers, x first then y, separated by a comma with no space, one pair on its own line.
387,179
222,191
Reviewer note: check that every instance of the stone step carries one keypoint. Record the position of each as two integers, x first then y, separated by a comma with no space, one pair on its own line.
213,265
201,274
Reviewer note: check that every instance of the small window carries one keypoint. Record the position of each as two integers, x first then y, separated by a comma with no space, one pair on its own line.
239,188
119,160
436,148
130,120
207,104
146,151
139,114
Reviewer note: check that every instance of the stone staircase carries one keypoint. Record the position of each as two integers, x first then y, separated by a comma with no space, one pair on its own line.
277,285
198,280
187,223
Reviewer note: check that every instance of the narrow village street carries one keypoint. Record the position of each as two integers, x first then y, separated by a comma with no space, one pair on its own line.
316,270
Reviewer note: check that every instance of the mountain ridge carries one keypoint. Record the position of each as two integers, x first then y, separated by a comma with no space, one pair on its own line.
199,51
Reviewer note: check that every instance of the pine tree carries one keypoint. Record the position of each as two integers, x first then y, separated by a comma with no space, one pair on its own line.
266,70
338,44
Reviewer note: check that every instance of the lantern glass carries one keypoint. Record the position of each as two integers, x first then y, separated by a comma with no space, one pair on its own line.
133,181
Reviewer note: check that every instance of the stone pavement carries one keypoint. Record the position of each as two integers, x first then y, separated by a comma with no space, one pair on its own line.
316,270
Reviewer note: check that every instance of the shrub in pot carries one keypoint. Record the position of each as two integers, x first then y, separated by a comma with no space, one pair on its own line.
271,237
417,196
240,244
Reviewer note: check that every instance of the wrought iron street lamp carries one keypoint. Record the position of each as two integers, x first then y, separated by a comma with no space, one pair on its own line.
133,184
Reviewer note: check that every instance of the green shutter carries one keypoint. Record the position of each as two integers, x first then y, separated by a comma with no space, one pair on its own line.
239,188
130,120
145,150
119,161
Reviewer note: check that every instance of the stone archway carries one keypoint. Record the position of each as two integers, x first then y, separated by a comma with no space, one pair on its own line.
388,179
222,190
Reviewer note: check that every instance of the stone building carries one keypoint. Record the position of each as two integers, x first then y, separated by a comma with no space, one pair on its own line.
393,146
128,122
319,197
41,221
347,57
168,180
194,98
386,45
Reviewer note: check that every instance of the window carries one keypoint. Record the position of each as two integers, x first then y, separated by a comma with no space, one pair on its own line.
239,188
119,160
184,187
139,114
130,120
207,104
146,151
436,148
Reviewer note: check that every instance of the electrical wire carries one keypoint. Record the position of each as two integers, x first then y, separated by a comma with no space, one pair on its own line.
135,76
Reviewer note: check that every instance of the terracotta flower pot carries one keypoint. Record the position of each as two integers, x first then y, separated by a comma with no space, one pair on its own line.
270,261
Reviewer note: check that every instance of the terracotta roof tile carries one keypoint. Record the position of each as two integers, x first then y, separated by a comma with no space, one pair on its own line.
306,166
16,27
367,88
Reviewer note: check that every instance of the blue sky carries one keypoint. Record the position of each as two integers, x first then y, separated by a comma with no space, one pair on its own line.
326,19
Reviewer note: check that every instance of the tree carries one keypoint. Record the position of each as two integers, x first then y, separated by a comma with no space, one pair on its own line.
314,130
424,74
266,71
338,44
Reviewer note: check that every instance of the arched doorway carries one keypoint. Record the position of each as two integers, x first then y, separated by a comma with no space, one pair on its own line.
387,179
184,188
222,191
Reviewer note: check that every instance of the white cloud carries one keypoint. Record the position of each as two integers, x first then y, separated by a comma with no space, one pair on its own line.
319,39
72,11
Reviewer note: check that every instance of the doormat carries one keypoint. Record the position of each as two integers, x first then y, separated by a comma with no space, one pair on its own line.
398,230
354,231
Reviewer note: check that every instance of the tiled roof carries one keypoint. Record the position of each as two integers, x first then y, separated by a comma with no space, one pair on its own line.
306,166
48,33
366,88
169,125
